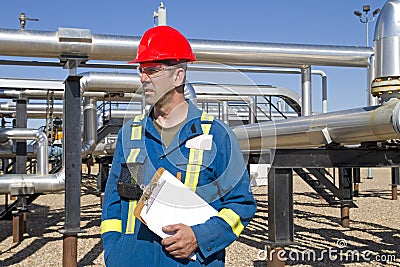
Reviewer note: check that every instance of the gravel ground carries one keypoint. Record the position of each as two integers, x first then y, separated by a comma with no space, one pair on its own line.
374,233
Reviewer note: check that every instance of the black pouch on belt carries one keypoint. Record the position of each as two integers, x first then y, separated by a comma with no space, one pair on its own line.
127,185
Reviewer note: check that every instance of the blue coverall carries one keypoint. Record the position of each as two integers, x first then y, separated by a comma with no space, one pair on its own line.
223,182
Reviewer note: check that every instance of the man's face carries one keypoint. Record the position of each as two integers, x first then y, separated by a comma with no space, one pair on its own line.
157,80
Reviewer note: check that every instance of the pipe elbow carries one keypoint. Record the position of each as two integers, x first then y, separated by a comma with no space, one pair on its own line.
84,82
41,138
88,147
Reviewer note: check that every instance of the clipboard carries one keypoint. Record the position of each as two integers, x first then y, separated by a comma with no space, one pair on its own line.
146,195
166,200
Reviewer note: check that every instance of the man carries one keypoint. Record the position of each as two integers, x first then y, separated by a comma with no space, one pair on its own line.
216,172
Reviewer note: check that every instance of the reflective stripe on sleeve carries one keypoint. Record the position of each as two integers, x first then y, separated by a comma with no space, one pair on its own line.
232,219
130,224
111,225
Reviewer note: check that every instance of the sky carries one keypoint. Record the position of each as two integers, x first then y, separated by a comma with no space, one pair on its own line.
271,21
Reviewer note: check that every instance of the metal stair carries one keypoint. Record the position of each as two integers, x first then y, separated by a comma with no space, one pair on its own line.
111,126
317,179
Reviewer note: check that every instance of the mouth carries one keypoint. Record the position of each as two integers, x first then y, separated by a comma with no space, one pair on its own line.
148,91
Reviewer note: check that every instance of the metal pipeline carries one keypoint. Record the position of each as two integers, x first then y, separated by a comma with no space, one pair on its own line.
34,111
387,41
89,126
81,42
109,82
353,126
40,183
42,94
105,149
28,134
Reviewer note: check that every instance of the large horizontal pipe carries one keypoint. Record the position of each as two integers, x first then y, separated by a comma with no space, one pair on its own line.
81,42
11,106
40,183
28,134
120,86
110,82
354,126
58,95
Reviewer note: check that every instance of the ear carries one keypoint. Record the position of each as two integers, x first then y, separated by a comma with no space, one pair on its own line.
179,76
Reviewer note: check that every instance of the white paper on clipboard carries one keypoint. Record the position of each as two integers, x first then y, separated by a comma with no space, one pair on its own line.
175,203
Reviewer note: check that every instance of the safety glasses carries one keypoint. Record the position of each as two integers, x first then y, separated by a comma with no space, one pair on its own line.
151,71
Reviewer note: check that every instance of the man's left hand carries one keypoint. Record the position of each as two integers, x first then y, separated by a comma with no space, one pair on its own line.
183,243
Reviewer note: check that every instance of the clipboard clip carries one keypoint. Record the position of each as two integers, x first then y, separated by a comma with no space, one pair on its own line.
151,191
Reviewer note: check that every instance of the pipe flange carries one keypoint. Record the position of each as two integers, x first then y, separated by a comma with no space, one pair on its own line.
386,88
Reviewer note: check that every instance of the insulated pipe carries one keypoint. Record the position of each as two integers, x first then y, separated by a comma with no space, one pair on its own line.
98,85
387,41
41,183
32,115
11,106
28,134
42,94
345,127
324,89
81,42
89,126
37,111
225,112
109,82
372,100
306,103
105,149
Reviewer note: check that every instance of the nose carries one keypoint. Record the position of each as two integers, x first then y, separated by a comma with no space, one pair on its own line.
144,78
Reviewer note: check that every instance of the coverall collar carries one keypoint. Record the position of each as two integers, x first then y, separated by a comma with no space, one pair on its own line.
190,129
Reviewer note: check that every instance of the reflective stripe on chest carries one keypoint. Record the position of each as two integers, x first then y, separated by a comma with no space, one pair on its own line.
196,155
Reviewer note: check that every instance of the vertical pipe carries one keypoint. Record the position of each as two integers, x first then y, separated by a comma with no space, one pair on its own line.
356,181
274,258
18,227
42,162
306,104
70,250
253,109
225,112
395,181
345,192
72,150
372,101
161,15
345,214
324,94
369,173
279,105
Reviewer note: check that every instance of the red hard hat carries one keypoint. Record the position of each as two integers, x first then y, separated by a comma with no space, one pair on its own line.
163,43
